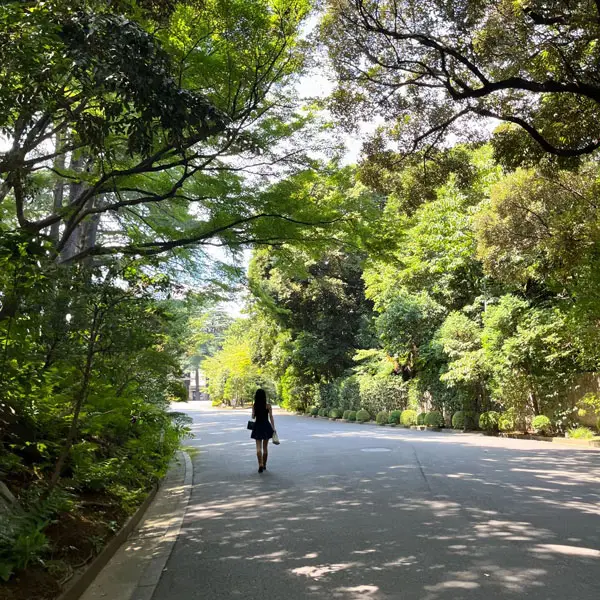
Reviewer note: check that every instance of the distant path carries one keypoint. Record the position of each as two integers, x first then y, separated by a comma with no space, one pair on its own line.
355,511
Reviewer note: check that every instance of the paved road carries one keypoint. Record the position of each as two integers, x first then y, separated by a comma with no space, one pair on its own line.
360,512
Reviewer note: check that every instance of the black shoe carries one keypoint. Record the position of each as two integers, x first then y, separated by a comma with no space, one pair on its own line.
260,469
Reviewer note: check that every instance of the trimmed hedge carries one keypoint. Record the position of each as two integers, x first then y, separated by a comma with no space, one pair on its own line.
346,413
488,421
314,411
394,418
541,424
465,419
382,417
434,419
335,413
322,412
408,417
458,419
352,415
421,418
362,416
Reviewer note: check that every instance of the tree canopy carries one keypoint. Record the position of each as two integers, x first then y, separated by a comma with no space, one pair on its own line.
434,67
157,156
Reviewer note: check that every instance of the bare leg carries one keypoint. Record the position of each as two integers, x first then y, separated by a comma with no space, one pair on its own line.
259,452
265,452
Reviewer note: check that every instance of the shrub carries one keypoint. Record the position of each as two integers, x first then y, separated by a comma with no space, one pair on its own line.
408,417
308,410
346,414
598,424
505,423
458,420
488,421
322,412
335,413
581,433
349,393
382,417
352,415
434,419
314,411
382,393
363,415
421,418
541,424
394,418
465,419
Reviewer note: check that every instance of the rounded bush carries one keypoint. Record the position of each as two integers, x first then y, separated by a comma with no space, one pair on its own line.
382,417
351,415
434,419
421,418
346,413
394,418
505,423
322,412
362,416
408,417
581,433
465,419
488,421
314,411
308,410
335,413
458,420
541,424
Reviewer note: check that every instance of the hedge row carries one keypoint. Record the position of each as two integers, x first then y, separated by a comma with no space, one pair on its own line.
491,421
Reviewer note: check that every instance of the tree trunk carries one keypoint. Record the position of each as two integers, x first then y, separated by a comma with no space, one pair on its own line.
198,384
59,190
80,400
534,403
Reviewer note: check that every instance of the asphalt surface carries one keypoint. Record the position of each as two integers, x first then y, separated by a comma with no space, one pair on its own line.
354,512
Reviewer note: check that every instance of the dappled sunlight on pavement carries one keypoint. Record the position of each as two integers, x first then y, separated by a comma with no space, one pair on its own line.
433,517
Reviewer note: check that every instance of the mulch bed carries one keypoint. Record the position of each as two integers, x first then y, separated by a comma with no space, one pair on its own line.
75,538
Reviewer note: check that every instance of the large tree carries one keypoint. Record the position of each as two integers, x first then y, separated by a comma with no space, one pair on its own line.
429,67
133,130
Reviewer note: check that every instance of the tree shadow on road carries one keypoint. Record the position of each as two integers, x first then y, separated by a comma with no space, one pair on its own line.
417,521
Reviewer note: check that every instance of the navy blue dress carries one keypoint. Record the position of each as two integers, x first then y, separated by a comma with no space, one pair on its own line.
262,428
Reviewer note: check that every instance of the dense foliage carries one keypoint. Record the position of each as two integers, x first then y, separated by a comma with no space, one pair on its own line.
472,293
449,278
131,135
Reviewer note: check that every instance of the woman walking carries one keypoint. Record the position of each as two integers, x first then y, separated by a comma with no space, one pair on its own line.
263,430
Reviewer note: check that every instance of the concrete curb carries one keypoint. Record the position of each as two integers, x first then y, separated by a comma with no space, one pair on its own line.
81,583
553,440
152,573
133,561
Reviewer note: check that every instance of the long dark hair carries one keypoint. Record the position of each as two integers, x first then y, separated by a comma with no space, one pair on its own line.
260,401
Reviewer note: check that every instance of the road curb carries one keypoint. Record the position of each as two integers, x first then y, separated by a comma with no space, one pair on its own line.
83,581
142,570
152,573
553,440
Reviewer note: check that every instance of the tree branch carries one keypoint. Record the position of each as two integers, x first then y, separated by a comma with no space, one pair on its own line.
151,248
537,136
